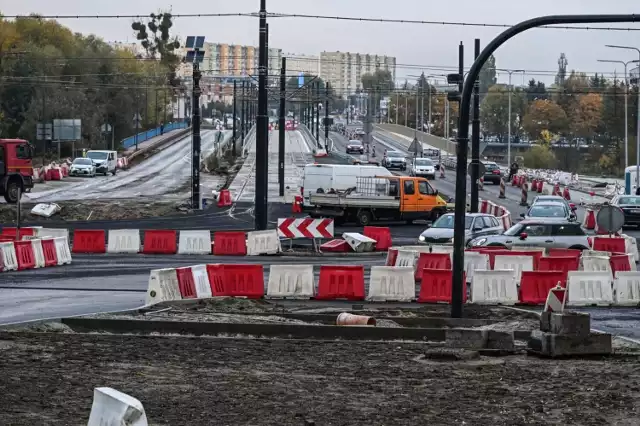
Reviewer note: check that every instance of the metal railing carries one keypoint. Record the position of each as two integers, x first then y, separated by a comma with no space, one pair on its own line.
151,133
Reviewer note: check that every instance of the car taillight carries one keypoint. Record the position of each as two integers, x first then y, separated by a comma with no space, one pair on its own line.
496,172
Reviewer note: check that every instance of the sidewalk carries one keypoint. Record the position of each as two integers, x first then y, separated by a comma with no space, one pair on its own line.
151,142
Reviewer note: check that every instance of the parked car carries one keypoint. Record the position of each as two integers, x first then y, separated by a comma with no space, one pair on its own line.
423,167
549,210
537,233
355,147
476,225
82,167
492,172
395,160
630,205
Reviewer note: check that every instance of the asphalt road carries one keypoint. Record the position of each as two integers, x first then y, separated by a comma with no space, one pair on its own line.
164,173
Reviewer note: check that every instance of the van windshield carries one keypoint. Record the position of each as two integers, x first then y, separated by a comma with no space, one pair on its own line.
97,155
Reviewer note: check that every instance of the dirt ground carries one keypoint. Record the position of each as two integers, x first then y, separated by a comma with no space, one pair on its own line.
97,210
48,379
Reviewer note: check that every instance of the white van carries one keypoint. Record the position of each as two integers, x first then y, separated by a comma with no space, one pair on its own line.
105,161
335,176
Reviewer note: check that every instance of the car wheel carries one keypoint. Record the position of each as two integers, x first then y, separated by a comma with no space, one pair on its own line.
364,218
578,248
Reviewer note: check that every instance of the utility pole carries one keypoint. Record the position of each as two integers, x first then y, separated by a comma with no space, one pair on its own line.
406,106
475,138
326,117
397,99
242,116
318,113
281,126
235,96
311,110
262,138
429,127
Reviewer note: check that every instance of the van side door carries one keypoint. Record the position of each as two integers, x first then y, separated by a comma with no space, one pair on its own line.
409,196
427,198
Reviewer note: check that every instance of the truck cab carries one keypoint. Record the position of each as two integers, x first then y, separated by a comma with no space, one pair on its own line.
16,169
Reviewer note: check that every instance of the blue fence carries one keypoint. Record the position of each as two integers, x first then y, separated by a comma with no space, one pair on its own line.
151,133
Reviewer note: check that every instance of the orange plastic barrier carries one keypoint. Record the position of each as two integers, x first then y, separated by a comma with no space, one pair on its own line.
562,264
392,255
88,241
382,235
614,245
535,285
341,282
243,281
562,252
186,283
49,251
436,286
161,241
432,261
230,243
619,263
24,254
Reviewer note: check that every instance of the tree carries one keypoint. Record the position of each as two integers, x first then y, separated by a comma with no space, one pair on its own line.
381,82
494,111
487,76
586,115
544,115
536,90
155,37
539,157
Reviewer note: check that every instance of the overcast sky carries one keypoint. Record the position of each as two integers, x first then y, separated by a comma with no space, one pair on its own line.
415,44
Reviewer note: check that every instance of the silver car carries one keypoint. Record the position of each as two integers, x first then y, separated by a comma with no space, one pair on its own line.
538,233
475,225
554,199
82,167
551,210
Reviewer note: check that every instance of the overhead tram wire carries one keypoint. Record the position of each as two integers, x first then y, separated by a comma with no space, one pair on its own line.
326,17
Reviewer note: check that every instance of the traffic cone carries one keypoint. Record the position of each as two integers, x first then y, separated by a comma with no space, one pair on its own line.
540,186
556,189
481,184
589,221
441,171
534,185
565,194
502,189
514,181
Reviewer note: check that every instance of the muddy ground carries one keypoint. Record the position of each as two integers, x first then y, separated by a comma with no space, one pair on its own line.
97,210
48,379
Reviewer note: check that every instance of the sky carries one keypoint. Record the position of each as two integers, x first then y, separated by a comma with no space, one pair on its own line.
429,46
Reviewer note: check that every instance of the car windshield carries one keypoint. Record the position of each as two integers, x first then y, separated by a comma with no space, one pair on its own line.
629,201
395,155
97,155
446,222
490,166
548,210
83,161
423,162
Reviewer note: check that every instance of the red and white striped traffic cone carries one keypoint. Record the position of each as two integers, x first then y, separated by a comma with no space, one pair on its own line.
525,194
441,171
502,189
481,184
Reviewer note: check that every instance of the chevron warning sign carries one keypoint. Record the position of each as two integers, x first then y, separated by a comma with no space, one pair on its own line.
305,228
556,299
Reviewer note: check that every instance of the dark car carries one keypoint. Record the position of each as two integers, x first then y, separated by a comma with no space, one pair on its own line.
630,205
355,147
395,160
492,173
475,225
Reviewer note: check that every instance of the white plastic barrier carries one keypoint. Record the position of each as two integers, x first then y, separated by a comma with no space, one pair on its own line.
632,247
52,232
291,282
358,242
263,242
124,241
194,242
442,249
163,286
114,408
406,258
391,284
589,288
596,264
515,263
9,258
62,250
475,261
626,288
38,253
201,281
494,288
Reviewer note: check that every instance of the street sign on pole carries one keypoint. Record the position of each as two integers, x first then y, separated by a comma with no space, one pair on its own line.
610,219
67,130
44,132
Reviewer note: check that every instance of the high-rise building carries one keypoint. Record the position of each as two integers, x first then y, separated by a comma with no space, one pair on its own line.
344,70
305,64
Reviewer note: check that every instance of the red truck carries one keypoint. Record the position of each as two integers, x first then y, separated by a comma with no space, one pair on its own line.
16,169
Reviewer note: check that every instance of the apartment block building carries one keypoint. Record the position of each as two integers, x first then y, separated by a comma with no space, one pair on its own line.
306,64
344,70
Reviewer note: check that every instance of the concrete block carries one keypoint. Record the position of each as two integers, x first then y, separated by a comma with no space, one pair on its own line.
466,338
503,340
564,345
570,323
545,321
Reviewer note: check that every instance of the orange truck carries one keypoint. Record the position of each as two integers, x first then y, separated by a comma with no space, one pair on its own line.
380,198
16,168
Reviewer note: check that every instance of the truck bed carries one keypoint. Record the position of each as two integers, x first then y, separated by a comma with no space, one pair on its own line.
354,200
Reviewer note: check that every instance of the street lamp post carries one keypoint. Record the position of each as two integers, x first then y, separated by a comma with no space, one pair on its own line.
626,106
638,116
509,116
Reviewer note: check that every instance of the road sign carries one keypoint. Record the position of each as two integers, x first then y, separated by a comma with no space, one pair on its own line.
481,169
610,219
44,132
416,147
67,130
305,228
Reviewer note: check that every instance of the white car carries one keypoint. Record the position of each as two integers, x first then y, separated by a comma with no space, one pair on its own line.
82,167
423,167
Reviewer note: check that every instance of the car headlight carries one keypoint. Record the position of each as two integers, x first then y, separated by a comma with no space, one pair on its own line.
422,238
479,242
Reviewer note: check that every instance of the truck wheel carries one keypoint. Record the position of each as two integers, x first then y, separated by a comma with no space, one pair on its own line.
113,172
364,218
14,187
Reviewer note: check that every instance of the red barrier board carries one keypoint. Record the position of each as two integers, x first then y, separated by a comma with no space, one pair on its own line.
230,243
432,261
614,245
13,232
336,246
49,251
562,252
535,285
24,254
162,241
88,241
186,283
341,282
619,263
244,281
562,264
436,286
215,272
392,255
382,235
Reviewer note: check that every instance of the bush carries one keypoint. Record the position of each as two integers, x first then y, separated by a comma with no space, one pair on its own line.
540,157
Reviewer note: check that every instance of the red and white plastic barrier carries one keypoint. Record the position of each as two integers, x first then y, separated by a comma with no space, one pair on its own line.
34,253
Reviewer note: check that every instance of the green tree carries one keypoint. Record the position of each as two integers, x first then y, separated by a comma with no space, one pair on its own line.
539,157
544,115
155,37
494,111
487,76
536,90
